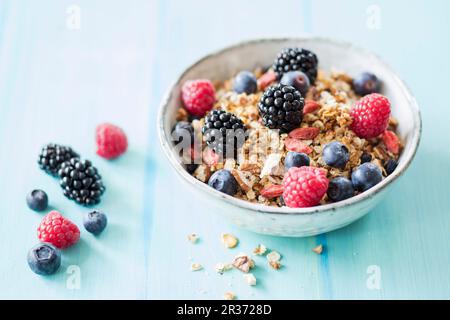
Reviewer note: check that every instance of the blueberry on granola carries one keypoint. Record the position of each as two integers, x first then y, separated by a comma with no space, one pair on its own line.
298,80
366,157
245,81
291,59
335,154
296,159
366,176
223,181
390,166
181,130
366,83
281,107
224,132
339,189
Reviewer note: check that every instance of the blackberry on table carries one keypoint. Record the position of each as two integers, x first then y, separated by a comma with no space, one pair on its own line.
291,59
222,131
81,182
53,155
281,107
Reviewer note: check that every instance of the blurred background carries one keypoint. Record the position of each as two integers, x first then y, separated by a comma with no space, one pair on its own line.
66,66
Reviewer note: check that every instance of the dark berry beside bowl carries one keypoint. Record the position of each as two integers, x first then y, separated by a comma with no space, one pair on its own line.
53,155
81,182
296,159
37,200
245,81
339,189
366,83
95,222
223,181
296,79
335,154
366,176
44,259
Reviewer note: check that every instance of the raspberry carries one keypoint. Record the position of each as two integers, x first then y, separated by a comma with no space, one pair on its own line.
304,186
198,96
57,230
370,115
391,141
111,141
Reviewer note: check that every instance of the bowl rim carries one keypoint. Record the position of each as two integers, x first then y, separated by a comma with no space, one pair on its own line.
166,145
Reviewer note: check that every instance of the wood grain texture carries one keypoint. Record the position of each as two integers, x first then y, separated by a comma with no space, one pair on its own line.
56,84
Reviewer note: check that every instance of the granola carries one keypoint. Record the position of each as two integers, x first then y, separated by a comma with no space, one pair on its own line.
258,166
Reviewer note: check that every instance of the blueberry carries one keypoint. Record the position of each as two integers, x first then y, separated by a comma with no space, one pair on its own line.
366,83
390,166
339,189
181,130
95,222
295,159
245,81
191,167
37,200
366,176
223,181
298,80
335,154
44,259
366,157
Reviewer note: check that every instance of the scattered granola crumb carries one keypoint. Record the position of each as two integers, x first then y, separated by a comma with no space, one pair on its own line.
243,263
250,279
193,237
318,249
275,264
260,250
222,267
273,256
229,240
196,266
229,296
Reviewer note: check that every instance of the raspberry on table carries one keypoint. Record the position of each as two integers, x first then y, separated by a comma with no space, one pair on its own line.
304,186
111,141
198,96
370,116
58,230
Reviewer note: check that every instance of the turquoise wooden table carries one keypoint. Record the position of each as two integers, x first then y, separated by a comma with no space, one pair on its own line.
66,66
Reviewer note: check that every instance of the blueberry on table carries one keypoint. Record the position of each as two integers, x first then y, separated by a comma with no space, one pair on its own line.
37,200
223,181
390,166
366,83
366,176
296,159
44,259
339,189
296,79
245,81
95,222
335,154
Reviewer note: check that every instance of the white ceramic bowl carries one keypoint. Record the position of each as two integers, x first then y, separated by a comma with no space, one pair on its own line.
290,221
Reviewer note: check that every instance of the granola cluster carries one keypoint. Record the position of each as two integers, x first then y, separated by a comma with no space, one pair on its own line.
259,165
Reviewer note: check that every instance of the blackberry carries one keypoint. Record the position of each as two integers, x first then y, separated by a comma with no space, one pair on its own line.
291,59
81,182
222,131
53,155
281,107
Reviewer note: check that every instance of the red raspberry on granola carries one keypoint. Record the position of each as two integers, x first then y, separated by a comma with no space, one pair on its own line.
198,96
304,186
